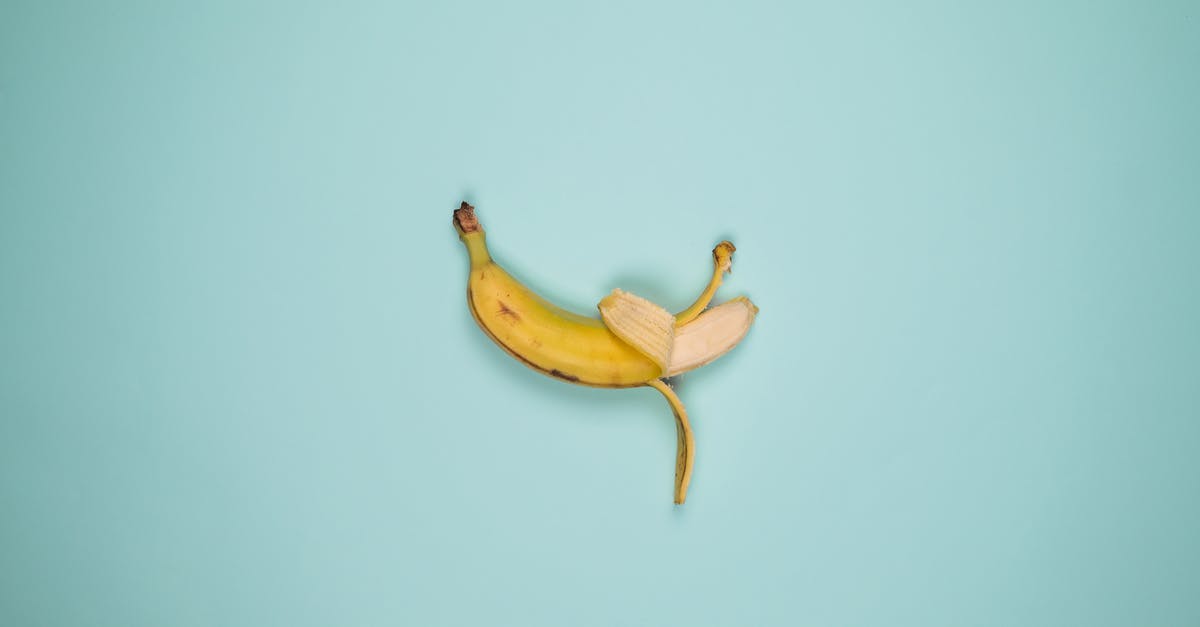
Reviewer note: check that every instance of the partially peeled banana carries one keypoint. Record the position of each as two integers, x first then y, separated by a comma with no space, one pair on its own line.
634,343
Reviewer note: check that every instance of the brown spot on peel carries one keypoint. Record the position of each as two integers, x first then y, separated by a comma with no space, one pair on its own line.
555,373
508,313
559,374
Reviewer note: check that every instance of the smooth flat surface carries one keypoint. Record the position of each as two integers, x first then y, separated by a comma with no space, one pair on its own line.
239,384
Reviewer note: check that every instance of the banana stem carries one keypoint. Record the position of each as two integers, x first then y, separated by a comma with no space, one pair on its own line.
722,262
685,451
464,218
471,234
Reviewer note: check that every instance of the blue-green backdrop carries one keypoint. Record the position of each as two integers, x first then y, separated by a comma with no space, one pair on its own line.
239,384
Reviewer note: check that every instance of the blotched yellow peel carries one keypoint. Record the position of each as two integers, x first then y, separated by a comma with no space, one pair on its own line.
552,340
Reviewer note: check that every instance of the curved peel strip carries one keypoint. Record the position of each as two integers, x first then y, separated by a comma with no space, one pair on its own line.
685,446
722,264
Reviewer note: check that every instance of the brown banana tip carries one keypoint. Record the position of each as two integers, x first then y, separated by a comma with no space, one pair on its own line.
723,254
464,218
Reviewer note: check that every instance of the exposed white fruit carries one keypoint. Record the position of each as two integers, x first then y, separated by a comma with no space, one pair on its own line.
712,334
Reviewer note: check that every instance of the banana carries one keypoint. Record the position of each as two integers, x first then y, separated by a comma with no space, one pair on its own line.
634,343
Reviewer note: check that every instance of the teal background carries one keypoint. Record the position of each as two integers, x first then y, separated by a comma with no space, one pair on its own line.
239,384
